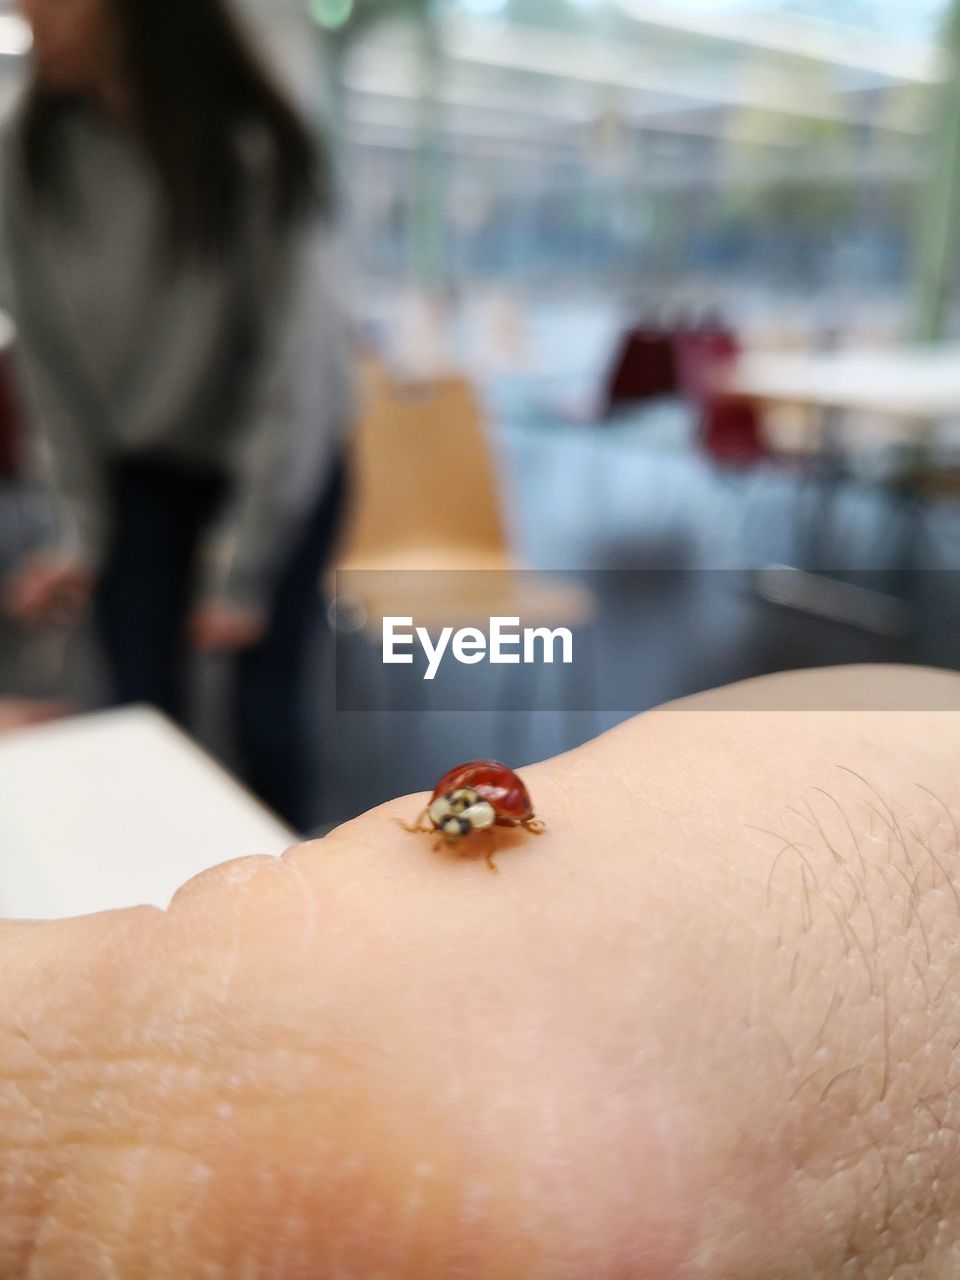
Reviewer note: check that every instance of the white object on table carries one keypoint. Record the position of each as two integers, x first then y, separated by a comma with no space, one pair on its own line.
916,384
113,810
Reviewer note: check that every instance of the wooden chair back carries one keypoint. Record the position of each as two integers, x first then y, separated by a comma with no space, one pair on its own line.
423,472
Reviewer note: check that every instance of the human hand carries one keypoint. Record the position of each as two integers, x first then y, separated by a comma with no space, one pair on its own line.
706,1026
220,626
20,713
49,588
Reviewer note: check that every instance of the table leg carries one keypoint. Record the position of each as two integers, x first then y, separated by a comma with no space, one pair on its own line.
814,587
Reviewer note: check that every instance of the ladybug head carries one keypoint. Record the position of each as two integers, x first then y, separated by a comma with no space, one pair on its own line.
461,812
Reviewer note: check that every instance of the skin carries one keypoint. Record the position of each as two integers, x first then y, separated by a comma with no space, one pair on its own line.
48,589
16,713
77,48
76,45
52,590
705,1026
219,626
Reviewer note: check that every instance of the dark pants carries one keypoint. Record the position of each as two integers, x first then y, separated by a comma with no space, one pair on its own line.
143,603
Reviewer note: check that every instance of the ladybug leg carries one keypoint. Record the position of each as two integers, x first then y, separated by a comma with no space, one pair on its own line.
417,826
536,826
488,854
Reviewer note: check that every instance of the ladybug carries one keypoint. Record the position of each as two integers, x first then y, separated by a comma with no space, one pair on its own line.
477,797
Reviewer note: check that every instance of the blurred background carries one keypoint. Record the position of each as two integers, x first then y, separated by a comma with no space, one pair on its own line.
662,293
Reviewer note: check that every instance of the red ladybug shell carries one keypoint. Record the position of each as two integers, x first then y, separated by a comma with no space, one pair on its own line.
496,783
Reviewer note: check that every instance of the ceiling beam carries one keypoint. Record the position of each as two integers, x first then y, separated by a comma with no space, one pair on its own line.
388,62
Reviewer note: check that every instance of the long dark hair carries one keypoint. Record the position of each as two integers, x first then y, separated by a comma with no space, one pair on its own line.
198,90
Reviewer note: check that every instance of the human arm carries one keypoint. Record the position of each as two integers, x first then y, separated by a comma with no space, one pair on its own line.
64,416
706,1026
288,439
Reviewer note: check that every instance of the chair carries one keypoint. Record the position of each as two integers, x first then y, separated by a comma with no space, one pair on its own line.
731,428
640,371
426,503
643,369
427,540
426,496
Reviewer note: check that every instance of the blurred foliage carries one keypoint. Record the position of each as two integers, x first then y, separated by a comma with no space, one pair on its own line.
797,205
774,158
939,209
347,20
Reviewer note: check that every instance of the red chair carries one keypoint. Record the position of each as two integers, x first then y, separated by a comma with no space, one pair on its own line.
731,429
731,432
644,369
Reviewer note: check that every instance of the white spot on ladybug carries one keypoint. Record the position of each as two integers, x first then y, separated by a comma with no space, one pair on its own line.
481,815
440,810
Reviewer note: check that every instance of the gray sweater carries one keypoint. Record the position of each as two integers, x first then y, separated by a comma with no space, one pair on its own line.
201,363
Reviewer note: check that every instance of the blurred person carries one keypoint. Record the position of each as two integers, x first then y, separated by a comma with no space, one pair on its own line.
163,210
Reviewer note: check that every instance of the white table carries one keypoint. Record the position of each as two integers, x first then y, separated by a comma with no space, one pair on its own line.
915,384
113,810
